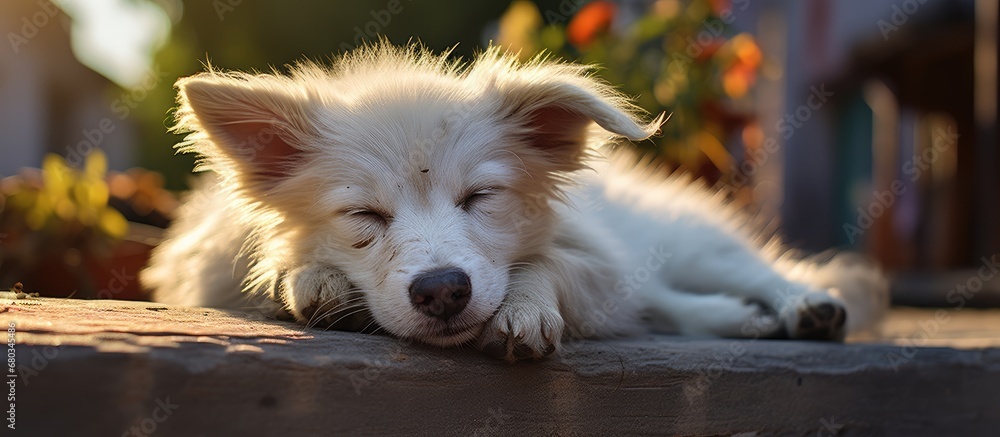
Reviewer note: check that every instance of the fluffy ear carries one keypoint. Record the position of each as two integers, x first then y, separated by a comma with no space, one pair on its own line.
253,128
557,104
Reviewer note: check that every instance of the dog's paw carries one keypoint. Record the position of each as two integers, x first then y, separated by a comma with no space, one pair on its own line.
321,296
522,330
816,316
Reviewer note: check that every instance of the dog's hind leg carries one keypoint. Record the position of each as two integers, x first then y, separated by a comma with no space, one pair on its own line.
719,315
726,264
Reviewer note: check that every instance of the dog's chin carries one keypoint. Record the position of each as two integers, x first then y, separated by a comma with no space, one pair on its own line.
449,340
450,335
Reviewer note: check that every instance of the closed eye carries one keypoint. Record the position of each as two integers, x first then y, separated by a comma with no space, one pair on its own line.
369,215
369,224
476,196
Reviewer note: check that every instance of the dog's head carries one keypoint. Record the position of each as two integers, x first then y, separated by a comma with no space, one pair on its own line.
426,182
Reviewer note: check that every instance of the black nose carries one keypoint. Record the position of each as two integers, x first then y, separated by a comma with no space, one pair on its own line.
441,293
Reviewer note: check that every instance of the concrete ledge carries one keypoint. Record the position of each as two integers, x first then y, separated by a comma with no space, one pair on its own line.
126,368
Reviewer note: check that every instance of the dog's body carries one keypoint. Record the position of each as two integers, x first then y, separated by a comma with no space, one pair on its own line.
451,205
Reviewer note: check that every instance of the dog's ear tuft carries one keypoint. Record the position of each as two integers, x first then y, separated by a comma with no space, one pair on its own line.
558,104
254,124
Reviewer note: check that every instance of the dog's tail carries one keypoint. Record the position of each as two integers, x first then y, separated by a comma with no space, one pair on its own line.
851,277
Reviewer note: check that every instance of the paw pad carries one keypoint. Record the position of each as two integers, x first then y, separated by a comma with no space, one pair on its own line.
822,321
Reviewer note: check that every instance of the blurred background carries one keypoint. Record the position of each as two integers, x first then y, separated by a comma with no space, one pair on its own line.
852,124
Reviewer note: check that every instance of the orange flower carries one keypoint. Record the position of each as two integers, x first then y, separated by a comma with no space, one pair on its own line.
746,50
737,79
595,17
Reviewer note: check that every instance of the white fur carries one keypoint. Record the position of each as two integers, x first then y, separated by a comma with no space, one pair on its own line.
308,162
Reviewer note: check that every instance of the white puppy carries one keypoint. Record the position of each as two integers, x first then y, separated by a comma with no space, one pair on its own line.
453,204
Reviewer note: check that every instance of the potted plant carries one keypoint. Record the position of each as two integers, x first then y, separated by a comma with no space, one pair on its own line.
60,236
676,56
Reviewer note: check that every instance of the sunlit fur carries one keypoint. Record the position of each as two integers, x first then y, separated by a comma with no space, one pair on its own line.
308,162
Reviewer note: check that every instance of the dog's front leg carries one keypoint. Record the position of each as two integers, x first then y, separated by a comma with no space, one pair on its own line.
322,295
528,323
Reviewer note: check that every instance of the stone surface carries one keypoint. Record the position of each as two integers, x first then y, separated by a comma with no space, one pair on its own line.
128,368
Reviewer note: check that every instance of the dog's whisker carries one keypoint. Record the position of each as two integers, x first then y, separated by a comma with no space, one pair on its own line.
316,195
369,325
339,309
319,311
322,311
319,316
524,167
356,311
